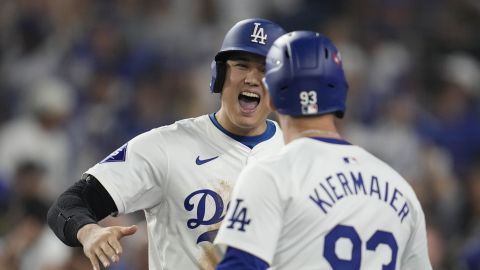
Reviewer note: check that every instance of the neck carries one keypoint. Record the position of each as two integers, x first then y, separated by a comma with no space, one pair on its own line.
242,128
319,126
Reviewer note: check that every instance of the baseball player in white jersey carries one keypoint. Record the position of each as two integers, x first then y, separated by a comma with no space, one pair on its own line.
180,175
322,203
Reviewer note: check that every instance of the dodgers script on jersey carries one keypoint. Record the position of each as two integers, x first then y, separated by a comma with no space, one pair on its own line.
326,204
181,175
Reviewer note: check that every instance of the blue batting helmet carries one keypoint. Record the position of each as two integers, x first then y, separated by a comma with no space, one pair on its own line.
250,35
304,75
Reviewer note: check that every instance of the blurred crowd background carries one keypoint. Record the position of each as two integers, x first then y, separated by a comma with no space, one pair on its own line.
80,78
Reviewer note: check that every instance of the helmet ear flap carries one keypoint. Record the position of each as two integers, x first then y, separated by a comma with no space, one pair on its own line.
218,76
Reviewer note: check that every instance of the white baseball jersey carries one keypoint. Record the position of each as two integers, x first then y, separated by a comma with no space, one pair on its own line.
326,204
181,176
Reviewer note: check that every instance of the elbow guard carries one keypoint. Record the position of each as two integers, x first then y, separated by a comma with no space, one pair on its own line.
85,202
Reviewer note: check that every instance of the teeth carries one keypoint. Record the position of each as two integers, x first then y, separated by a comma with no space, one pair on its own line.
250,94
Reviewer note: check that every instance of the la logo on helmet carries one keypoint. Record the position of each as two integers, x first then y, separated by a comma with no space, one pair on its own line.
258,33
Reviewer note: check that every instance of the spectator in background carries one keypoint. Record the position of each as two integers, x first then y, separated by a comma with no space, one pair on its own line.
470,254
41,135
455,114
94,126
26,243
29,244
32,50
436,247
28,183
77,261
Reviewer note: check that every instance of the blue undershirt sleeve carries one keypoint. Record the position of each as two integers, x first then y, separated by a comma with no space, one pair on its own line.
236,259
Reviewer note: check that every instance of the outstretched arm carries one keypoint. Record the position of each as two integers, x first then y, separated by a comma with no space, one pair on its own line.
74,215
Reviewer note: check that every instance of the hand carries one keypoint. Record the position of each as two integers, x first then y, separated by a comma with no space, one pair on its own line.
103,243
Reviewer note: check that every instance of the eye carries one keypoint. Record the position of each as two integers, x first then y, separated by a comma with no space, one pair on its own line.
241,65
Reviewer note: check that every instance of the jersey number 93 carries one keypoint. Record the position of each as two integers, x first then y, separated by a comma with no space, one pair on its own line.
348,232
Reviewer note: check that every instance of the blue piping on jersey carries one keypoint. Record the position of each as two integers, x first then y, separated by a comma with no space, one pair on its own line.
249,141
331,140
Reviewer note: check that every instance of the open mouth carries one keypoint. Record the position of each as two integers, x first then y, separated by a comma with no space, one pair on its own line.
248,101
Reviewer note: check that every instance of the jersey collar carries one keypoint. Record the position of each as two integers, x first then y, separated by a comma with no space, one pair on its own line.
249,141
331,140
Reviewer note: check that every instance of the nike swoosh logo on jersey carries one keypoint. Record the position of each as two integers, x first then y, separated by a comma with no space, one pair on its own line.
199,161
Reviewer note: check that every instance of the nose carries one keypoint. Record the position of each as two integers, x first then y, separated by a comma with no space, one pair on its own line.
254,77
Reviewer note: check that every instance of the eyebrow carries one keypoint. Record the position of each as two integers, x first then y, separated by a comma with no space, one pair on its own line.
240,58
245,59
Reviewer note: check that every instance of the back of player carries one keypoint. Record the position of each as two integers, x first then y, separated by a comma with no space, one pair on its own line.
323,203
340,208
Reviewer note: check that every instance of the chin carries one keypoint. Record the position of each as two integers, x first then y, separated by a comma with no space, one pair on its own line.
250,122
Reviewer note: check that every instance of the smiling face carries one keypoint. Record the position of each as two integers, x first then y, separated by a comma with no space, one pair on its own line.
245,105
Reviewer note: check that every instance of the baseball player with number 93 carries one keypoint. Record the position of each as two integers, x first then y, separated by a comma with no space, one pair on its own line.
322,203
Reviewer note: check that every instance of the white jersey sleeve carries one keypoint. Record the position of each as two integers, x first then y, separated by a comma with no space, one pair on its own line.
134,174
253,222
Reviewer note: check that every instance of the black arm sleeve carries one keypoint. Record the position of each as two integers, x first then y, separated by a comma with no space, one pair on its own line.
86,202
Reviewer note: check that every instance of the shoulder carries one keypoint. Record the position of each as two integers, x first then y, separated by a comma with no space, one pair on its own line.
183,125
268,179
394,174
274,167
181,128
402,184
